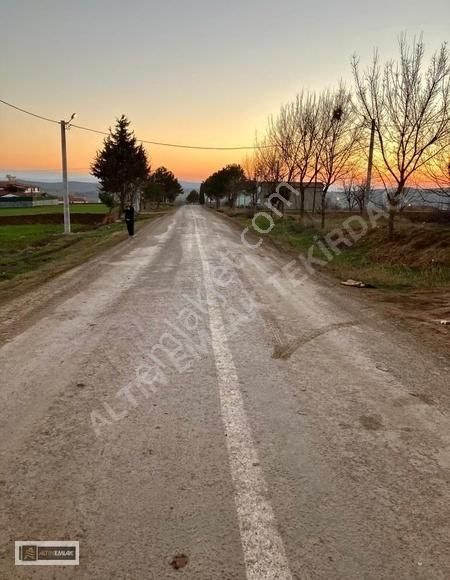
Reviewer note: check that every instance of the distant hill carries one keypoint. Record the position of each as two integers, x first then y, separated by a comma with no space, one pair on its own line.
188,186
413,196
87,189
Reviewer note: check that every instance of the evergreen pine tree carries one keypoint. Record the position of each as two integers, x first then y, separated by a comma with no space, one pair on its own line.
122,165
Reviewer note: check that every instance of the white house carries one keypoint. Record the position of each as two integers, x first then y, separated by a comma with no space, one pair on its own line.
13,186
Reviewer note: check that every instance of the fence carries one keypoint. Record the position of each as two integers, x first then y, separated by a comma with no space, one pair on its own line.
28,203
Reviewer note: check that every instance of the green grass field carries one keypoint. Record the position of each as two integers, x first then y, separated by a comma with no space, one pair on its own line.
75,208
33,253
13,239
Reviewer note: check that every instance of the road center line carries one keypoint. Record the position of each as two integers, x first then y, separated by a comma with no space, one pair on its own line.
263,549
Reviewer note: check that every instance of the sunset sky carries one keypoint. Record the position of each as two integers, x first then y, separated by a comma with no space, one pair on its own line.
199,72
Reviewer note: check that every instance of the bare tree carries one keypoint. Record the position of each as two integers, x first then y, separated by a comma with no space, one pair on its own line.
310,138
279,163
249,165
291,148
283,136
340,139
409,103
437,172
355,192
267,166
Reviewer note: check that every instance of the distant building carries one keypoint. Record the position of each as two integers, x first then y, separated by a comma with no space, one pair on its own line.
11,186
312,194
77,199
73,199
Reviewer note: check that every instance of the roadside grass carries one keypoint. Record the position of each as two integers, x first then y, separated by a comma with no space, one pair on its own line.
16,238
31,254
356,263
25,249
419,256
59,209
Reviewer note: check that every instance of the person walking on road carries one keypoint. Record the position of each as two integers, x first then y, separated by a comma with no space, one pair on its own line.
129,220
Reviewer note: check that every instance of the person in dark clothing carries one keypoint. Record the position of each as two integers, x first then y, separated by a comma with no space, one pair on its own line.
129,220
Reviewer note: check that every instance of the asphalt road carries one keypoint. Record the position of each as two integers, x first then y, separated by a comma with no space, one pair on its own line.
182,395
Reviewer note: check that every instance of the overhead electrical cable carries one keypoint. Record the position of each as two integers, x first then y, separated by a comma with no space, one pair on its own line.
147,141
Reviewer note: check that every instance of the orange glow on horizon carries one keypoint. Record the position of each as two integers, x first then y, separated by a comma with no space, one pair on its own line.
40,150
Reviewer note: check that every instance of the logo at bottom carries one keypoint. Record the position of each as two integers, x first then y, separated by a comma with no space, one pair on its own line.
47,553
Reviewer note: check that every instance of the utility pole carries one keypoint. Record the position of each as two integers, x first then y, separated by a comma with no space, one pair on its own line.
65,125
65,180
370,162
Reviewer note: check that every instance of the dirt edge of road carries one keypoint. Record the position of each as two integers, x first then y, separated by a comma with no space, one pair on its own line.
417,311
28,299
73,252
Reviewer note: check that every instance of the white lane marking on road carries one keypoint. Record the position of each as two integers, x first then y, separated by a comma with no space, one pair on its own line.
264,553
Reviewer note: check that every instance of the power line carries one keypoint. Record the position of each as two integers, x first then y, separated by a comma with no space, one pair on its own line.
173,145
158,143
29,112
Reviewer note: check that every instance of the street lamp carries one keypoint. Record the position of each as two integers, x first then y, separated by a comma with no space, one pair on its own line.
65,125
